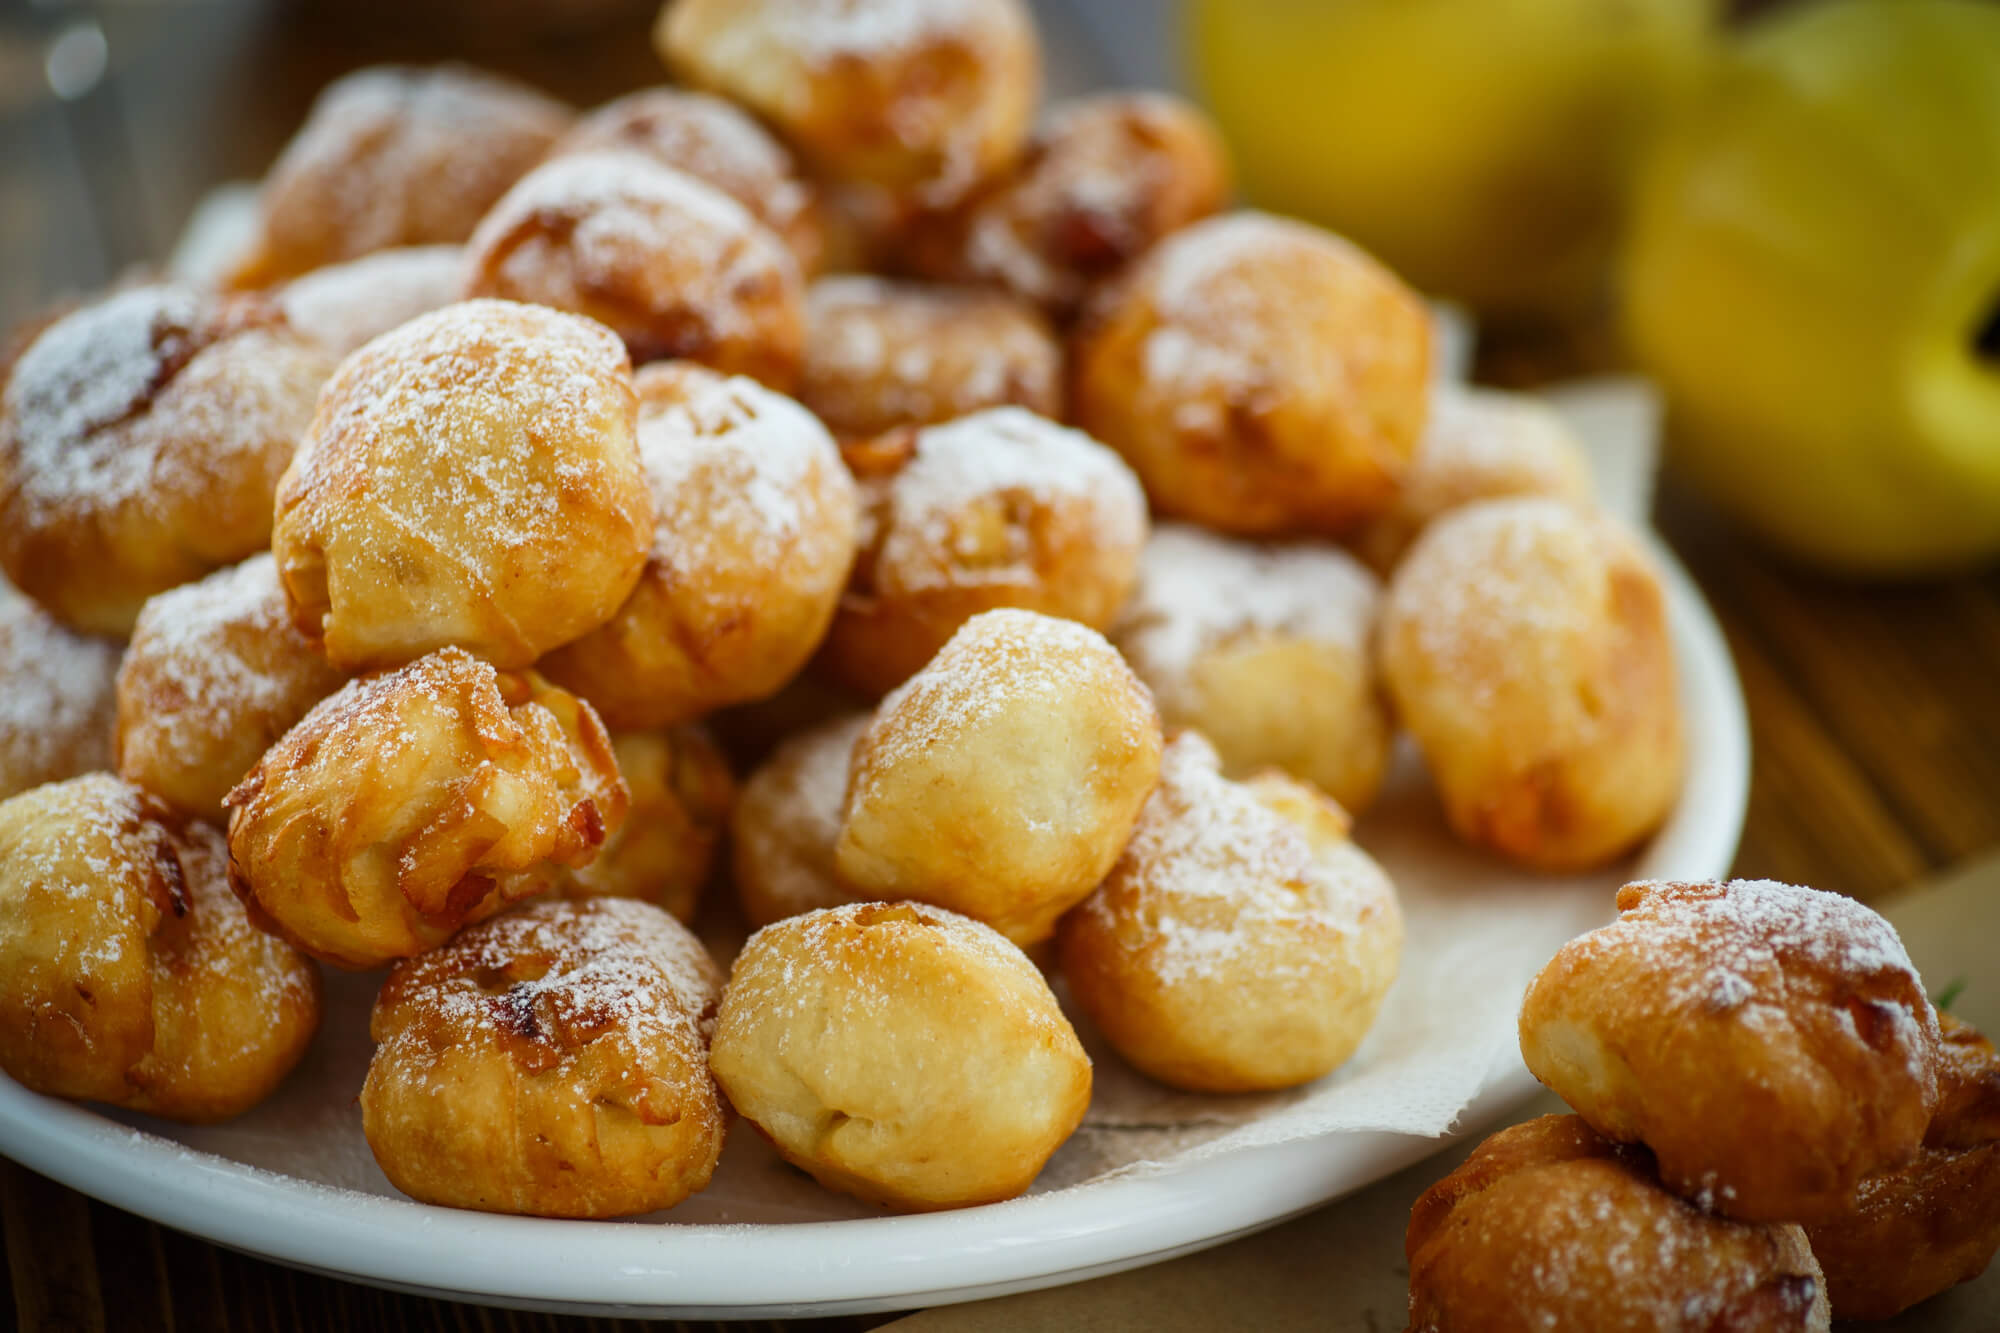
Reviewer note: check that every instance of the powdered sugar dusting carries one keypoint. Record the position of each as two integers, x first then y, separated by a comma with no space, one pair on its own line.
1510,585
998,663
87,372
475,397
707,137
343,306
1003,453
219,657
572,972
783,967
753,457
625,214
1198,592
57,700
1749,933
881,353
1210,866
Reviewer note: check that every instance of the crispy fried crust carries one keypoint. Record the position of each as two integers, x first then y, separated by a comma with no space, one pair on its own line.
469,478
998,509
754,534
1263,377
551,1061
1004,778
924,101
1772,1045
1935,1222
1525,647
1242,942
128,972
1549,1227
395,155
900,1053
141,440
416,801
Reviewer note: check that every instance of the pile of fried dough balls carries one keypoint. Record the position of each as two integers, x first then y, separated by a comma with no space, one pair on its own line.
1014,520
1773,1126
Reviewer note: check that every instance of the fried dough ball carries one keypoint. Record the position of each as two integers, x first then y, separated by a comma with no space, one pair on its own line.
924,100
141,439
1548,1227
999,509
1268,651
1101,181
1263,377
129,973
715,141
470,478
551,1061
674,266
754,534
1525,646
1479,444
1930,1225
416,801
900,1053
343,306
216,672
787,821
881,354
681,795
58,703
1242,942
395,155
1771,1044
1004,778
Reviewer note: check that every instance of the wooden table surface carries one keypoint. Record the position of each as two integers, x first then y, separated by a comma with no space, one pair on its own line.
1875,712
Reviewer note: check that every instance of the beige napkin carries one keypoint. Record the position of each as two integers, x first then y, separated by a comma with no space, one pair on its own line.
1342,1268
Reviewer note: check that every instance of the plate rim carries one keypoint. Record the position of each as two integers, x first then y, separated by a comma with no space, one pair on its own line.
850,1265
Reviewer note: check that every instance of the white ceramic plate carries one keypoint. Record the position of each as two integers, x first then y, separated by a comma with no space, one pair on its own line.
857,1263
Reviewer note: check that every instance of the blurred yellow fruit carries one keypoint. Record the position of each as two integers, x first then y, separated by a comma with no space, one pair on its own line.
1813,275
1480,147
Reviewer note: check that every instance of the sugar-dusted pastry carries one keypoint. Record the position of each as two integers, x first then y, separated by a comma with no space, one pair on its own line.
716,141
128,971
395,155
1262,376
551,1061
923,99
681,795
881,354
470,478
1268,651
786,822
1102,180
1934,1223
1242,942
755,521
1001,508
1004,778
900,1053
342,306
1524,644
416,801
141,439
1549,1228
1771,1044
58,703
673,265
216,672
1479,444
